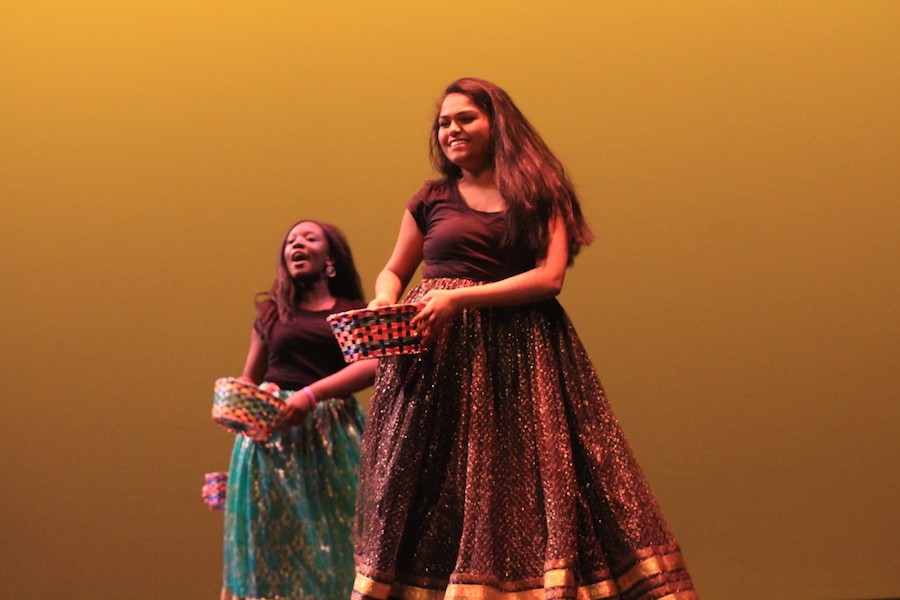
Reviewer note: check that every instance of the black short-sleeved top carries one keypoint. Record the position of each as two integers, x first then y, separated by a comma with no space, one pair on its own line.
303,350
461,241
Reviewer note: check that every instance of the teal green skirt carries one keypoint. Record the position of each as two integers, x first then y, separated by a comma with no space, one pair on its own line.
290,505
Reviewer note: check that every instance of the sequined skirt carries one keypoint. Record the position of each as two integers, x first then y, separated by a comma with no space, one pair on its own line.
494,468
290,507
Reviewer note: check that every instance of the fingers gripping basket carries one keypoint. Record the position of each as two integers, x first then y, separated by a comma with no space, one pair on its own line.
244,408
374,333
214,490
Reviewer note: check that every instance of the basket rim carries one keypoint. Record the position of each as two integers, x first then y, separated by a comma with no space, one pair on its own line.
381,310
256,391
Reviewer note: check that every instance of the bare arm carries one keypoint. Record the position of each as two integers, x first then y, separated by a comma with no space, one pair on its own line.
544,281
350,379
407,255
256,362
341,384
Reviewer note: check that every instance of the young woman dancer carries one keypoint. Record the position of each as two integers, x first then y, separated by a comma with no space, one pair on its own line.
290,501
493,466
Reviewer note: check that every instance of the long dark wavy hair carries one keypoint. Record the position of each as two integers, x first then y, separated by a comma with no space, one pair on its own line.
287,293
529,176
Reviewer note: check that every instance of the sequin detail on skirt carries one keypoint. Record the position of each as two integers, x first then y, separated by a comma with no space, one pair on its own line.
493,467
290,507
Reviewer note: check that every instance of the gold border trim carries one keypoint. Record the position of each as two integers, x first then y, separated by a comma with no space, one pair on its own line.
648,568
557,579
366,586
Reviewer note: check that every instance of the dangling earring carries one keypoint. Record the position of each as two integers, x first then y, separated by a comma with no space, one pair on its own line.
329,270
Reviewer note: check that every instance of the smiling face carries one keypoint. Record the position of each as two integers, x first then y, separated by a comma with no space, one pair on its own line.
305,252
464,133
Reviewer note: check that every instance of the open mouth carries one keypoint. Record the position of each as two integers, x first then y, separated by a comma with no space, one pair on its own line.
298,256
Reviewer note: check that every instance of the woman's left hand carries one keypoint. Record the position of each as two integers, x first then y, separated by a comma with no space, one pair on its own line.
296,407
440,306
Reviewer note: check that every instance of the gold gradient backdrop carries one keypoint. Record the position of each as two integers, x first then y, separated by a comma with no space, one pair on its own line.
738,162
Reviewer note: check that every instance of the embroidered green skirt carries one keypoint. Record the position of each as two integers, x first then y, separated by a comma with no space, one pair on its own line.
290,508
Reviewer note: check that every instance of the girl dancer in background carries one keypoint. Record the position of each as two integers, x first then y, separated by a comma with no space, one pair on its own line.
290,501
493,466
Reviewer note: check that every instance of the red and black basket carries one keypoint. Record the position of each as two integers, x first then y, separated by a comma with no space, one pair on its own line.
376,333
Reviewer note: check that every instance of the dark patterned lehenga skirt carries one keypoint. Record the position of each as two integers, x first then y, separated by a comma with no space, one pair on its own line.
493,468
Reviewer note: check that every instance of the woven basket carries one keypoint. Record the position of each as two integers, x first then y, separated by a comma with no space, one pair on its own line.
375,333
246,409
214,490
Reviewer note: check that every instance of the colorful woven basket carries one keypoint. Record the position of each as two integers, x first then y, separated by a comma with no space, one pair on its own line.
214,490
374,333
245,408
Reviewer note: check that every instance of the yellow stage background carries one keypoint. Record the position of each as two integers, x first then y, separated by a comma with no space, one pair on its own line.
738,160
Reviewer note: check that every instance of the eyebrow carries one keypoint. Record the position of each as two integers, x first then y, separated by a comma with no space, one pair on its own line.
465,111
303,233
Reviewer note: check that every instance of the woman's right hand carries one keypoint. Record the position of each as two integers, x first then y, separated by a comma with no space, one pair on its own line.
378,302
